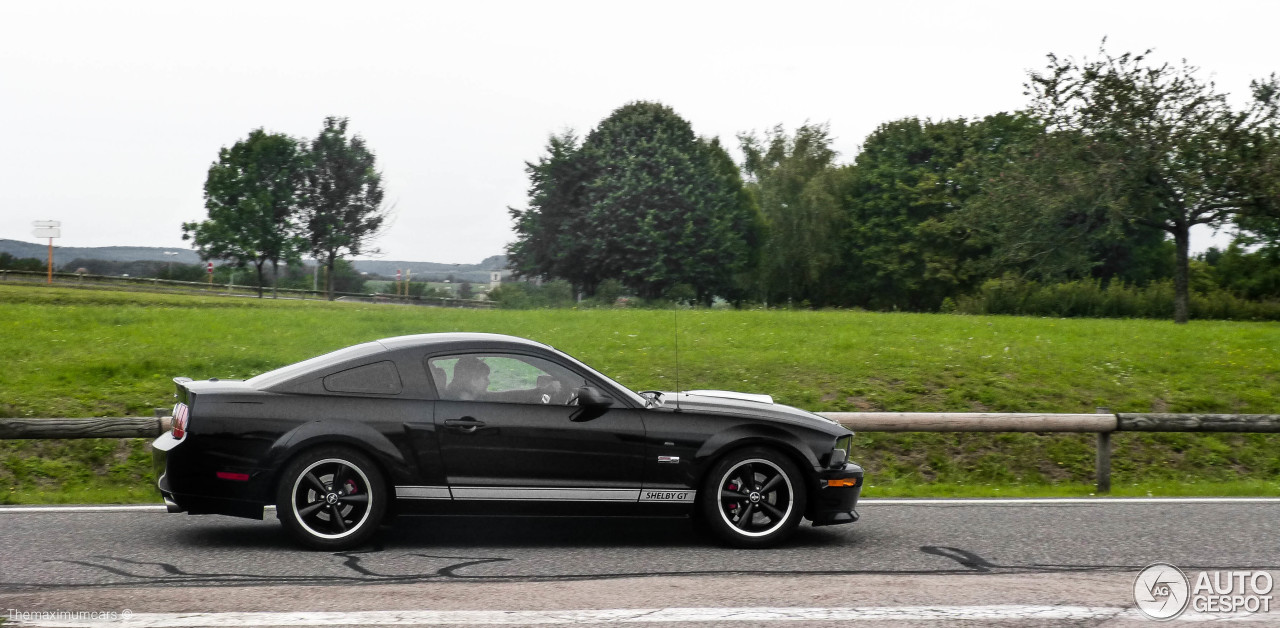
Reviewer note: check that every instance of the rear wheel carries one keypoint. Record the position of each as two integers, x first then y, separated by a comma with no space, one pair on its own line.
753,498
331,498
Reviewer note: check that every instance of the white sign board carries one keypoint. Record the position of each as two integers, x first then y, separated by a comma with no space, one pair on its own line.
45,224
48,232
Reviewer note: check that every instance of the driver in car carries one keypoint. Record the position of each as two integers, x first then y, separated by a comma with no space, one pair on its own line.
470,379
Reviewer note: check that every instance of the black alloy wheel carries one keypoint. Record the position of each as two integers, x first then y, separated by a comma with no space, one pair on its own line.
753,498
331,498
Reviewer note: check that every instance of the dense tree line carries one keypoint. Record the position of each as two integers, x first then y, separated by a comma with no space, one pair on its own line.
1099,179
272,198
30,264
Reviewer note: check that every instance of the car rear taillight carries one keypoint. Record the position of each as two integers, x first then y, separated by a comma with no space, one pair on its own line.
180,416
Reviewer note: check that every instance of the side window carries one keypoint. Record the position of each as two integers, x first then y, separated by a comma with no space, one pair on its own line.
503,378
379,378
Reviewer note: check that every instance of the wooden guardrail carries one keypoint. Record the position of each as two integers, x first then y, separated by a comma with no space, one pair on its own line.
152,284
1103,423
972,422
106,427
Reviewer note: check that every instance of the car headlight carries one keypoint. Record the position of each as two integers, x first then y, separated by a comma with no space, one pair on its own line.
840,453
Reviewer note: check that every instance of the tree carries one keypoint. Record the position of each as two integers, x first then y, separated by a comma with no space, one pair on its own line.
905,245
550,231
798,188
641,200
251,195
744,226
342,197
659,212
1153,145
1248,274
1038,217
1259,224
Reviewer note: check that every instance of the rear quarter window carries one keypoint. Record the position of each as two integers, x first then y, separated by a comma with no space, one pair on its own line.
379,378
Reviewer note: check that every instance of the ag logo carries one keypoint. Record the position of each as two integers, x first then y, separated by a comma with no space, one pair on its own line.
1161,591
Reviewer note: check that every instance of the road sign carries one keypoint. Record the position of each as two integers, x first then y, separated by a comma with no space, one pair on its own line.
209,268
48,229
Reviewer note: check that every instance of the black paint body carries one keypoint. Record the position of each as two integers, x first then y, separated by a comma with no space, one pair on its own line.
482,457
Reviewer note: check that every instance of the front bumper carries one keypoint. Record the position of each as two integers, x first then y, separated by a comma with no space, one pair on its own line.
835,499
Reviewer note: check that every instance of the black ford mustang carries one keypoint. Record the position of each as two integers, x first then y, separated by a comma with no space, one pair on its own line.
488,424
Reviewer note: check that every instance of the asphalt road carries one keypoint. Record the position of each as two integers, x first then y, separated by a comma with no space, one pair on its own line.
963,552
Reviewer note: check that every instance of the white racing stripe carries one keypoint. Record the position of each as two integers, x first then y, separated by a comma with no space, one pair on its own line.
622,616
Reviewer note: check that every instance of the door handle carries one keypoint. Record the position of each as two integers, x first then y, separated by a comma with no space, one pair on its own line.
465,424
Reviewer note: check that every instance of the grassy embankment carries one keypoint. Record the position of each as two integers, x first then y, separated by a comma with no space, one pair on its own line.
87,353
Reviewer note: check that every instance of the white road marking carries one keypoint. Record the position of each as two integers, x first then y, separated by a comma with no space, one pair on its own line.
980,501
105,508
621,616
909,501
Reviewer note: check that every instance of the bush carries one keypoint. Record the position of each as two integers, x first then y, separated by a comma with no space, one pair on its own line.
528,296
607,293
1090,298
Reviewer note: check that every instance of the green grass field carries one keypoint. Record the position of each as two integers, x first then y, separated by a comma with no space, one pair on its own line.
73,352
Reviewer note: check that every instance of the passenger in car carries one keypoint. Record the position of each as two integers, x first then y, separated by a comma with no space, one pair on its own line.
550,390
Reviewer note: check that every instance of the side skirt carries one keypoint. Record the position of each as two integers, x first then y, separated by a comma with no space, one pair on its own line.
538,501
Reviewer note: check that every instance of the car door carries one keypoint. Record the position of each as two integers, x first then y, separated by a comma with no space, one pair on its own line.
510,430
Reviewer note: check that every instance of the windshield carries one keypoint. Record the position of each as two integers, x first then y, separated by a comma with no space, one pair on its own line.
635,399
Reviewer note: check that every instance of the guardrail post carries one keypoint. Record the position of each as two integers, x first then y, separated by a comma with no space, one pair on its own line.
1103,467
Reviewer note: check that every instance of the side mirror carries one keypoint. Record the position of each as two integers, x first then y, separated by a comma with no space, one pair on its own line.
590,397
592,404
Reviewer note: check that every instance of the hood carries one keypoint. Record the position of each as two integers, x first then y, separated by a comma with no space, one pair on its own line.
746,404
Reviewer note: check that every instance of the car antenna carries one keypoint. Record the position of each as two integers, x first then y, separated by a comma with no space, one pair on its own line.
675,317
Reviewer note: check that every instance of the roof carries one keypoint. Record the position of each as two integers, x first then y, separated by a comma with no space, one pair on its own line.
286,378
422,340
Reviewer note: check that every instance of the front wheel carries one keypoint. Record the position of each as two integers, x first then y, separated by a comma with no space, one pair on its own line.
331,498
753,498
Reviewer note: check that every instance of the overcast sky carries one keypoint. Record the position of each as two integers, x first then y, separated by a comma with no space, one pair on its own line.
114,110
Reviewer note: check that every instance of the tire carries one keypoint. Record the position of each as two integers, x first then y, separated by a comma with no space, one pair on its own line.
331,498
757,511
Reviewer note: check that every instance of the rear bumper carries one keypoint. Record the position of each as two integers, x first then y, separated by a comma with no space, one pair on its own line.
836,498
170,501
175,500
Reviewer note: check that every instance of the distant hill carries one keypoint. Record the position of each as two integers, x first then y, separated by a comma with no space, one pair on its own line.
106,253
426,270
389,266
435,271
